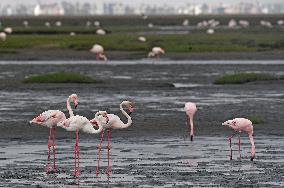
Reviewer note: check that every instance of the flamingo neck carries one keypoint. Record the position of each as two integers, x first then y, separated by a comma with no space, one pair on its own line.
129,120
69,107
252,145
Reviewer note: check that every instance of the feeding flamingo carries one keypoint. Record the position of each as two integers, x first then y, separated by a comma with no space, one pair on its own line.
239,125
49,119
99,51
190,109
113,122
156,52
81,123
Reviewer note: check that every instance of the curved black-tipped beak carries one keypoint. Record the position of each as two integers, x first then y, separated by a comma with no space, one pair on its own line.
76,106
129,113
251,159
191,138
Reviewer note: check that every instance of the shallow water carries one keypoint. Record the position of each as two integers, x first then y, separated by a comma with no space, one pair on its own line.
149,161
152,152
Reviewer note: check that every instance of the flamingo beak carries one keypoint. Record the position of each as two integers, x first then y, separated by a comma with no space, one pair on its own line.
130,110
76,104
251,159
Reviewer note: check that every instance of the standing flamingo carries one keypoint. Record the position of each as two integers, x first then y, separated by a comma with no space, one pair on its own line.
49,119
81,123
190,109
113,122
239,125
99,51
156,52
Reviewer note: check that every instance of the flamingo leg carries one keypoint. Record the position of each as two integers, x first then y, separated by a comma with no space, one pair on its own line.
239,143
230,144
76,165
99,153
53,148
48,153
78,156
108,153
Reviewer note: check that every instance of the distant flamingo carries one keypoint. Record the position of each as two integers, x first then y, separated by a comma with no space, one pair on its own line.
113,122
101,32
81,123
8,30
156,52
99,51
49,119
239,125
190,109
3,36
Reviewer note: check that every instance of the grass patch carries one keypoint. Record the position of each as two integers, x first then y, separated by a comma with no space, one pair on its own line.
60,77
241,78
256,119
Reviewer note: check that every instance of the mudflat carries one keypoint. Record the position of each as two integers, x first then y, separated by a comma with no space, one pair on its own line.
155,150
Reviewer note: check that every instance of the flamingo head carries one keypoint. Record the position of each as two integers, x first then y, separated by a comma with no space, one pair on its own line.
229,123
103,117
62,124
94,122
74,98
38,120
129,106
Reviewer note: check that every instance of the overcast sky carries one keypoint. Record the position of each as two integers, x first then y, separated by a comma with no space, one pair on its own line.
135,2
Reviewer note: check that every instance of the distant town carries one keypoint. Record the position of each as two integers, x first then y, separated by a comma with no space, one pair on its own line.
100,8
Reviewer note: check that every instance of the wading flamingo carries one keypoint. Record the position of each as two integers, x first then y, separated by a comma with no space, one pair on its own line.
99,51
113,122
49,119
81,123
239,125
190,109
101,32
156,52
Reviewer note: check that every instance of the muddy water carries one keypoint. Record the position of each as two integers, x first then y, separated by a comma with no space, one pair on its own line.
147,162
152,152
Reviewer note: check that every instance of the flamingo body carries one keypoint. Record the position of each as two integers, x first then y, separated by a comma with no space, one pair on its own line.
242,125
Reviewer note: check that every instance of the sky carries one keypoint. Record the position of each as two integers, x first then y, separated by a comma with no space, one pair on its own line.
138,2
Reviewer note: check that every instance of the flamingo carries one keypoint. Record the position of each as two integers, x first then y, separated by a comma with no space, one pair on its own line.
210,31
49,119
47,24
99,51
113,122
58,23
239,125
80,123
26,23
101,32
190,109
8,30
156,52
97,23
3,36
142,39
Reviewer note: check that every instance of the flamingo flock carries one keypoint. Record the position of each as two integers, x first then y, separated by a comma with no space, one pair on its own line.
77,123
103,121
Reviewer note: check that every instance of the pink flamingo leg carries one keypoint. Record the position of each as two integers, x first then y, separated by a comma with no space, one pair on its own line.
48,153
108,153
230,144
240,146
53,147
99,153
78,153
188,125
75,165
